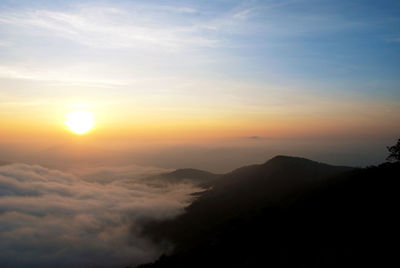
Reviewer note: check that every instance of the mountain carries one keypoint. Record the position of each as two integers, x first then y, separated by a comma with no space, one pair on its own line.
245,190
287,212
271,181
201,178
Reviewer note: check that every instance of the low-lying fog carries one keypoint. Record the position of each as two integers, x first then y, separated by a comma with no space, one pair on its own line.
85,218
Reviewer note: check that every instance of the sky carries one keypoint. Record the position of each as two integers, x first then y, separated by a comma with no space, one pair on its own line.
212,85
197,73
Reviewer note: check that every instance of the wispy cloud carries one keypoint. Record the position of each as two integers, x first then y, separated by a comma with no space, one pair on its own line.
110,27
393,39
5,43
81,74
243,14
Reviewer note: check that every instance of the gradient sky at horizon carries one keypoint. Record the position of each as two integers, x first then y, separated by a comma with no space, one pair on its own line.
200,69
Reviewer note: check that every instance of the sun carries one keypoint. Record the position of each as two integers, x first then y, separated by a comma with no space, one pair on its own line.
80,122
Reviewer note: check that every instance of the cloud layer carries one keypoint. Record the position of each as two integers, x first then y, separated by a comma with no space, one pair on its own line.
50,218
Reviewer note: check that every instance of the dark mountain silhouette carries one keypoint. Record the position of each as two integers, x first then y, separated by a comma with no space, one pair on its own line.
198,177
270,181
287,212
246,190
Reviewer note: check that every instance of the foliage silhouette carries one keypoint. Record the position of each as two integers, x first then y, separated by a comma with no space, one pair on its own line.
394,152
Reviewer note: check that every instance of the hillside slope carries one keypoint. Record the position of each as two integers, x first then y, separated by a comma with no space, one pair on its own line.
318,216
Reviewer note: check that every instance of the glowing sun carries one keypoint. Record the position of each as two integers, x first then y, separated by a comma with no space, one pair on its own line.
80,122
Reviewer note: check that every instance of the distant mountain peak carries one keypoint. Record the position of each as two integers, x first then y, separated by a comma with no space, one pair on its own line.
198,177
189,172
281,158
296,161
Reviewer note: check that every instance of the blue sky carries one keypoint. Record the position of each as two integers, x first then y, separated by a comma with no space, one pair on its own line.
335,41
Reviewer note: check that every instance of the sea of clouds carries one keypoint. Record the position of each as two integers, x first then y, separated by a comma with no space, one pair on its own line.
85,218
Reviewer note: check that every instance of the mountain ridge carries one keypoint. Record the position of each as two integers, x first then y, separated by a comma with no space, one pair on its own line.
201,178
320,225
